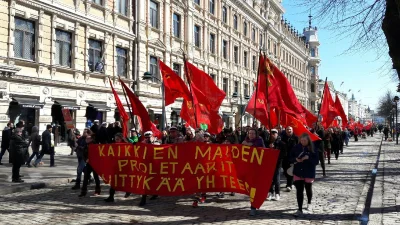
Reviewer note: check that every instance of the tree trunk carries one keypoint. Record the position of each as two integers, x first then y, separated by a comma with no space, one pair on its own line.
391,29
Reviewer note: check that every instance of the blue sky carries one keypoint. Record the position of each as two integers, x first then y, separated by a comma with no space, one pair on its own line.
363,71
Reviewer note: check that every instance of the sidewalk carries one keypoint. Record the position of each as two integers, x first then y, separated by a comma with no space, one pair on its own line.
42,176
385,208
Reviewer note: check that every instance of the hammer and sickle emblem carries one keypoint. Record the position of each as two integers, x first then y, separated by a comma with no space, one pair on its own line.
189,104
260,101
294,124
269,72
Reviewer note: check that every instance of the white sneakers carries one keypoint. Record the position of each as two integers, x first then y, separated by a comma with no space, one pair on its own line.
270,195
277,197
288,189
309,207
298,213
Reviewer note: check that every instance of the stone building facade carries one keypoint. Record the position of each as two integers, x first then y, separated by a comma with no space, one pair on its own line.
56,56
223,38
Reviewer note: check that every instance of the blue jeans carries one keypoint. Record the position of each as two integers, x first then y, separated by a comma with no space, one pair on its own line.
39,159
32,156
276,182
80,168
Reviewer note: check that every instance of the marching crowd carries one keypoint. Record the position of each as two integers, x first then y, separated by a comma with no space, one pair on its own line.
298,156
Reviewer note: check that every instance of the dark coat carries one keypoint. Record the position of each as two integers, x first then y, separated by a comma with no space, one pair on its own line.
81,146
34,139
336,140
46,141
6,137
102,135
319,145
305,169
95,128
281,146
18,147
290,142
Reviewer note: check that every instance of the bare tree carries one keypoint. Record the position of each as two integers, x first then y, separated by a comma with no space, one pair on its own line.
385,104
370,23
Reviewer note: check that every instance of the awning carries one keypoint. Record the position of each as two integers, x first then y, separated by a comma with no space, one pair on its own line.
99,106
227,114
68,104
177,110
28,103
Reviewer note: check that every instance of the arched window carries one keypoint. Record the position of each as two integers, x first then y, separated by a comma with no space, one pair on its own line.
312,52
235,22
312,70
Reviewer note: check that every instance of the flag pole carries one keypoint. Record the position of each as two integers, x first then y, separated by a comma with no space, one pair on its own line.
268,109
127,103
190,89
322,98
255,97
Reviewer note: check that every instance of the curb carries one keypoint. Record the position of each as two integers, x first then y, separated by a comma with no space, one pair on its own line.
32,186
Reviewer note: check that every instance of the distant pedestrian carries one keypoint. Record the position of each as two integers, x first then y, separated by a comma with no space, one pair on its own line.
18,148
306,160
5,142
386,133
81,145
346,137
47,146
34,141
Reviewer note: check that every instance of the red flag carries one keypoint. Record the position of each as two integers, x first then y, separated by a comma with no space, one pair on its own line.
121,109
174,86
140,111
309,117
340,110
206,85
299,128
273,117
328,110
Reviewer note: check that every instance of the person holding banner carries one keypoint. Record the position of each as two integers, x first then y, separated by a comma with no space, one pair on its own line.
118,138
90,139
290,140
276,143
254,140
305,160
149,139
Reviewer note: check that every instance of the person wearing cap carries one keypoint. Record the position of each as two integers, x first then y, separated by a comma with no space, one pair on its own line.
95,127
148,139
276,143
134,136
174,136
252,139
290,140
207,138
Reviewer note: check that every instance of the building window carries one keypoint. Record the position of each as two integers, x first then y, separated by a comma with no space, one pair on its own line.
236,87
245,59
211,6
312,70
275,49
197,2
225,49
212,43
224,14
246,90
121,62
312,52
95,54
254,62
176,68
177,25
253,35
212,77
99,2
261,40
154,68
63,48
225,85
235,54
245,29
24,33
235,22
154,14
197,36
122,7
269,45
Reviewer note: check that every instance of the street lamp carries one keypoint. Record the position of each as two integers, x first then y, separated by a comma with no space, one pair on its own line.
235,95
149,76
396,100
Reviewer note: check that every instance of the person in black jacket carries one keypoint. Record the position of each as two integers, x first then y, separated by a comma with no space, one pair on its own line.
290,140
102,135
95,127
336,141
18,148
90,139
47,147
5,142
276,143
305,160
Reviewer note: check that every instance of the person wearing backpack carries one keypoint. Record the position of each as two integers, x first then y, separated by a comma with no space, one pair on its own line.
35,142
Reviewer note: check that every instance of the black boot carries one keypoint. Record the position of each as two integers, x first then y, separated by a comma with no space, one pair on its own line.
109,199
77,185
143,200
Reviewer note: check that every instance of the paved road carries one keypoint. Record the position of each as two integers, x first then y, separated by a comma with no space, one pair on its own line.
338,199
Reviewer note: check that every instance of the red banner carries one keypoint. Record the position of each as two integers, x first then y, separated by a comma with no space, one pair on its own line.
188,168
68,119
